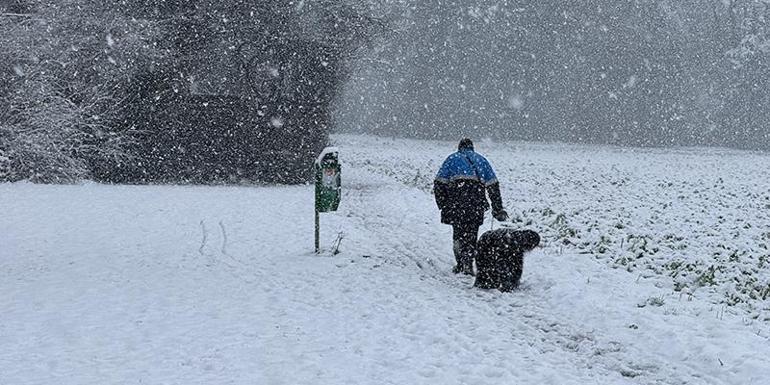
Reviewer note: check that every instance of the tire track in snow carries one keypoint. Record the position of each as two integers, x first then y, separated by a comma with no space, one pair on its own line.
235,266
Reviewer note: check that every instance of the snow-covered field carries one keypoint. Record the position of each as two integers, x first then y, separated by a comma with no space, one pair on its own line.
653,271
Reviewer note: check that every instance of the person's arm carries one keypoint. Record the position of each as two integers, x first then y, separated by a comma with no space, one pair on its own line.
497,202
494,195
493,190
440,192
441,184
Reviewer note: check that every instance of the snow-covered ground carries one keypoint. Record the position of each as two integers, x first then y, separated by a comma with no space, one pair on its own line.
653,271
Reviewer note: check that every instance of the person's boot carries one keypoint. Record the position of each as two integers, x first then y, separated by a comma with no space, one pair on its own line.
458,268
466,267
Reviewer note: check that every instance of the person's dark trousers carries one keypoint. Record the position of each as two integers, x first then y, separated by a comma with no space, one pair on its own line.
464,236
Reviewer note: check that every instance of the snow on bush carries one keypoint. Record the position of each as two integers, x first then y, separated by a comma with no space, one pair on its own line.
52,139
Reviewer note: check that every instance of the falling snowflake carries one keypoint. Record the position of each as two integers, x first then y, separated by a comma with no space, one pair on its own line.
631,82
516,102
276,122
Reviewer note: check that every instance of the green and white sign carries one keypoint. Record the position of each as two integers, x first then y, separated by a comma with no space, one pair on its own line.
328,186
328,181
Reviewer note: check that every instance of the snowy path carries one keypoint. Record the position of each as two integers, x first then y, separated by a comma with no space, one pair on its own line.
105,284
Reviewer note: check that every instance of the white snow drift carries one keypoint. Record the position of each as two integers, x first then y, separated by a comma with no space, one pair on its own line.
653,271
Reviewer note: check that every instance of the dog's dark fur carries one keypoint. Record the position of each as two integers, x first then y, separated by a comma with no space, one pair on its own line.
500,257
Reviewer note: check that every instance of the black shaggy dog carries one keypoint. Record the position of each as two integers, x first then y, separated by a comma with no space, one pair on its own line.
500,257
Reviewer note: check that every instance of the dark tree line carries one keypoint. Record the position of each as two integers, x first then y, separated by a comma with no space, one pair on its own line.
171,91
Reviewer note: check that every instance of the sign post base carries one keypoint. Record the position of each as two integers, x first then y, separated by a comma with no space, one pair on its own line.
317,233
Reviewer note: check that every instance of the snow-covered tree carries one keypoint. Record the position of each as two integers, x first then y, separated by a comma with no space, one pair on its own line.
255,82
60,90
172,90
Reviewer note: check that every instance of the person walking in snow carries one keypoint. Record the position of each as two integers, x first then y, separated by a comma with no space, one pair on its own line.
460,188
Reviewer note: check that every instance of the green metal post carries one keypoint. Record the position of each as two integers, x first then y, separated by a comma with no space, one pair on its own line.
317,233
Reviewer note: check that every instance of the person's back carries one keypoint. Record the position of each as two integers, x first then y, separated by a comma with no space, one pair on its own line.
460,189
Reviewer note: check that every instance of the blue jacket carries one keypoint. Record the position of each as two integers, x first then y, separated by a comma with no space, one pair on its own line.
468,165
461,188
